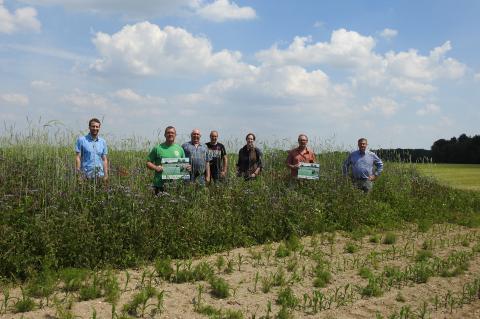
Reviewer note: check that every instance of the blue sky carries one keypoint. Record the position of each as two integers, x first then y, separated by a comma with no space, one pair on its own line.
401,73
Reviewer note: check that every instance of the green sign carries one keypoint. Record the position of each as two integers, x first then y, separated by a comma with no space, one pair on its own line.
175,168
309,171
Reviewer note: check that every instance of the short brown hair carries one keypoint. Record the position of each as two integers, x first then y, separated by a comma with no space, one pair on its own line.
361,139
94,120
169,128
301,136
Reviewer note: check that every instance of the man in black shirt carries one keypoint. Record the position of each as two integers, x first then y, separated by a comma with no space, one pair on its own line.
218,158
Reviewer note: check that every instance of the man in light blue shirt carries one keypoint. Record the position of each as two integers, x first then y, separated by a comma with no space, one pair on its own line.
366,166
91,154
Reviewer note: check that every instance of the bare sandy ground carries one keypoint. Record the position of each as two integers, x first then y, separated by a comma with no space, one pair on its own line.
252,266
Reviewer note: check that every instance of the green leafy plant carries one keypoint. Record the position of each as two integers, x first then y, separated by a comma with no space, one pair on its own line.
219,287
163,268
351,248
390,238
24,304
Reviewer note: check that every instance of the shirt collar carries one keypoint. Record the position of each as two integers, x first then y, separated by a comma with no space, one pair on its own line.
90,137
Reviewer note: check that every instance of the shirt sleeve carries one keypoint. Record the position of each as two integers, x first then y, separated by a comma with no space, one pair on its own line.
184,149
78,146
378,164
289,158
208,154
259,159
105,148
152,156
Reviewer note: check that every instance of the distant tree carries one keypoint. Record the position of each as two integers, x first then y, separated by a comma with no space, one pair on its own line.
463,149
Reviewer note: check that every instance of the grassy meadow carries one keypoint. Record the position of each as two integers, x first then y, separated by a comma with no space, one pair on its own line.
56,231
461,176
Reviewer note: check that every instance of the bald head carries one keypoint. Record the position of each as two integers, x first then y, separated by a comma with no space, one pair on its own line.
213,137
195,135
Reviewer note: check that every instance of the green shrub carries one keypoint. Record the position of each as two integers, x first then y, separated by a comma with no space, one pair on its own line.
55,222
389,239
219,287
365,272
372,289
287,298
163,268
25,304
73,278
351,248
282,251
423,255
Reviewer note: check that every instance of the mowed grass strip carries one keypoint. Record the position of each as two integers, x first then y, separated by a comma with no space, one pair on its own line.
461,176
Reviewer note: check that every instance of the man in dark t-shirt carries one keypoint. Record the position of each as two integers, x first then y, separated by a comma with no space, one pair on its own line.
218,158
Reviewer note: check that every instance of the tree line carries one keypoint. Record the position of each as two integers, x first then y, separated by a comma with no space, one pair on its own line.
461,150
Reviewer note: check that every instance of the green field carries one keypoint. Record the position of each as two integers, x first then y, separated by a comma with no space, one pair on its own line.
461,176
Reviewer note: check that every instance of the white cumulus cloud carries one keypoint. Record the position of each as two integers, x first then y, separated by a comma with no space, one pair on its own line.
284,90
347,49
388,33
406,72
386,106
411,87
222,10
146,49
9,99
23,19
434,66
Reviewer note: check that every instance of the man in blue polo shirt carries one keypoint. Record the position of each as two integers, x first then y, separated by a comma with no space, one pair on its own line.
366,166
91,154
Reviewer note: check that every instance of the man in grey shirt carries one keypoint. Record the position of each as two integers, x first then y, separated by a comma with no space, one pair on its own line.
366,166
198,155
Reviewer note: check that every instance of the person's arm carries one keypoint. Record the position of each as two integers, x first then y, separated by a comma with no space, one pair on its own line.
377,162
150,162
156,168
207,171
259,162
105,162
77,162
223,154
290,162
105,167
78,156
223,173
